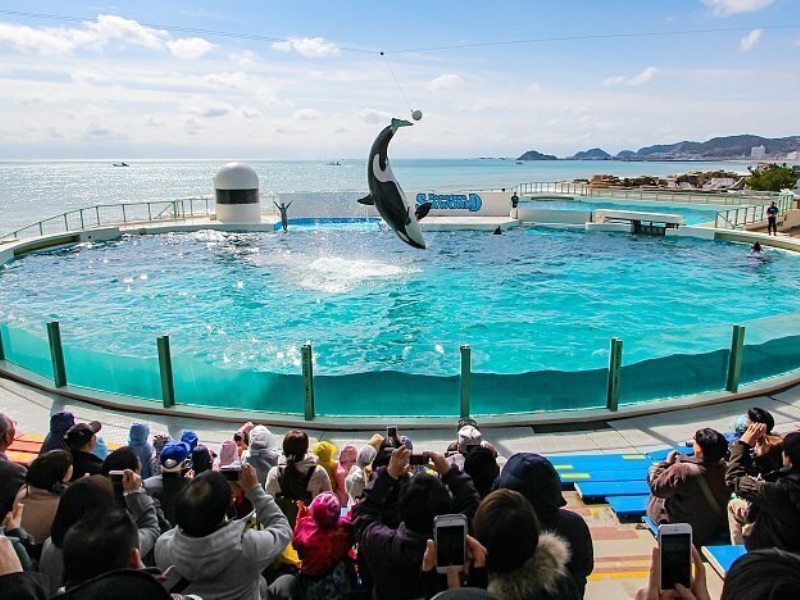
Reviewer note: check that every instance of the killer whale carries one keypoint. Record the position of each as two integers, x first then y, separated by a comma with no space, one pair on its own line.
386,194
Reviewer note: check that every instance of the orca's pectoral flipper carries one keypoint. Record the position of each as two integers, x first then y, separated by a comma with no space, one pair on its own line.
422,211
367,200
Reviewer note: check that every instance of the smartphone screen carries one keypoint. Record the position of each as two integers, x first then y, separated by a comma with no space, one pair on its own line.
676,560
450,540
391,432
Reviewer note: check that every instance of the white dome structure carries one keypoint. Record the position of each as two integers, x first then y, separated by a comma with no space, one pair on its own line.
236,194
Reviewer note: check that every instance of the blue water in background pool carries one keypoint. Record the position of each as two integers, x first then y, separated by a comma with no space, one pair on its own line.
692,213
528,300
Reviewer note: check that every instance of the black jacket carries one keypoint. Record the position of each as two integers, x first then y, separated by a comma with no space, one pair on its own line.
85,463
775,499
12,477
22,586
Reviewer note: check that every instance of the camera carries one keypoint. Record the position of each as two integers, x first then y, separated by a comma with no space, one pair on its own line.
419,459
231,473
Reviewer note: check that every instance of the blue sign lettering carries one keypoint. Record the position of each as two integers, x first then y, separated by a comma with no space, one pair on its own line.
471,202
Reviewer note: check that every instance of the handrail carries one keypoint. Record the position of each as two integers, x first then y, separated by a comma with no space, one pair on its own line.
130,212
738,218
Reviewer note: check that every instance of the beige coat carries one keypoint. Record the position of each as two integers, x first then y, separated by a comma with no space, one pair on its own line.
40,510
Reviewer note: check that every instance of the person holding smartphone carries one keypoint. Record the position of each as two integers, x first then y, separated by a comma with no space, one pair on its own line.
394,554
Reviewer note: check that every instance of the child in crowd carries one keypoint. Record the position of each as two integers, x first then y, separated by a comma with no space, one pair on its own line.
357,478
347,458
138,441
322,539
325,451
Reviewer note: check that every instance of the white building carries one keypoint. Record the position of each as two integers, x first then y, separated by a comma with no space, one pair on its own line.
758,152
792,156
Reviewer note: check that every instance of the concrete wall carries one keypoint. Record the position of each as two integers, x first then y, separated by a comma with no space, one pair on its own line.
553,215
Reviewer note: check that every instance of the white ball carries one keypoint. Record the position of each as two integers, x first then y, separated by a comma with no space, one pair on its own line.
416,114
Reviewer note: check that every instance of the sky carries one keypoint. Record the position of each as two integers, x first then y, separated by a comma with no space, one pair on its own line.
283,79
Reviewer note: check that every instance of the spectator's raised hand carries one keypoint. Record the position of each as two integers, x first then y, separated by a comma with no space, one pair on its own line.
398,463
755,431
9,561
13,519
131,481
440,464
249,478
653,591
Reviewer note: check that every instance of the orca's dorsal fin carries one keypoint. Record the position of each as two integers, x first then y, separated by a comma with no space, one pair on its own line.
367,200
422,211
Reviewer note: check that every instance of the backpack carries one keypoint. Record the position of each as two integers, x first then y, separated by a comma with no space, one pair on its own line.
294,487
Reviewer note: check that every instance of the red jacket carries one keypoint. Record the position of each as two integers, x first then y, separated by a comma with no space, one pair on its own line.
320,550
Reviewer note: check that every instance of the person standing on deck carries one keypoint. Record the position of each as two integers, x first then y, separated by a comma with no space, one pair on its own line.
772,219
283,208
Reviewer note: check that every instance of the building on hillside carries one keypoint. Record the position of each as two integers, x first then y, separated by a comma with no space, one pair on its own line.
758,152
792,156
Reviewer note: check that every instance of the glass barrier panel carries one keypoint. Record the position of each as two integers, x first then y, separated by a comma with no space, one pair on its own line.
26,345
771,347
672,376
495,393
125,375
200,384
386,393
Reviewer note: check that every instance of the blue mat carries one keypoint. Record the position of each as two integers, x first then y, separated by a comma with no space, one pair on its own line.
651,525
599,490
722,557
589,462
634,473
661,455
628,507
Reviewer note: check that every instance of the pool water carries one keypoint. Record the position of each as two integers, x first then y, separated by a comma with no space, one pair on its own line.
692,213
528,300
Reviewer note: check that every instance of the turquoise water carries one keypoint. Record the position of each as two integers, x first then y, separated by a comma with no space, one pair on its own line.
692,213
528,300
30,191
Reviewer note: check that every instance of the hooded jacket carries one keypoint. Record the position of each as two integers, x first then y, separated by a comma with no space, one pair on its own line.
227,564
324,451
59,423
776,500
137,439
262,453
347,458
534,477
544,576
320,482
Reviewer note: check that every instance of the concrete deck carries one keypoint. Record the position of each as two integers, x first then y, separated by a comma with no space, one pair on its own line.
622,551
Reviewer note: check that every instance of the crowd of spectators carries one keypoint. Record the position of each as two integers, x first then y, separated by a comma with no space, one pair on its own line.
265,518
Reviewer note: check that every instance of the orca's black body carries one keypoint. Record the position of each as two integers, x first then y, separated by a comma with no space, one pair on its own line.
387,195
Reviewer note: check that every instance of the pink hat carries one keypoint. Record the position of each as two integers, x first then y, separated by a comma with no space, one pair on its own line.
347,456
325,510
228,453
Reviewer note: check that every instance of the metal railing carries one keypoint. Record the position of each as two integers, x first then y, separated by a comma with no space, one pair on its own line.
110,215
739,218
658,195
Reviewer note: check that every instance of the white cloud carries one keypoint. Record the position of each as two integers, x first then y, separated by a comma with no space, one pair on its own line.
534,88
642,78
309,47
750,40
46,42
113,27
203,108
190,48
236,80
372,116
724,8
307,114
448,81
245,59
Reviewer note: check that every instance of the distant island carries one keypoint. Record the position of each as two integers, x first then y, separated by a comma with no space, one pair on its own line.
720,148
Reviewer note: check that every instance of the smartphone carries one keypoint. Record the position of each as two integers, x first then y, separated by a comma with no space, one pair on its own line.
418,459
231,473
450,537
675,545
116,476
391,432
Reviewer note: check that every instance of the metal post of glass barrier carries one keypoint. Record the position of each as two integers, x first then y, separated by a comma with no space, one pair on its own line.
2,351
614,366
165,369
466,379
57,354
308,382
735,359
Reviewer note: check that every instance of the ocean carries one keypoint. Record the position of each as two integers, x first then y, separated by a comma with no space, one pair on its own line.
30,191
